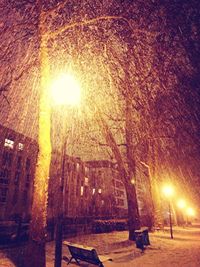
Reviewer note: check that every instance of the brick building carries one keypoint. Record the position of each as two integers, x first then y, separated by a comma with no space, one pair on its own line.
17,166
109,196
91,189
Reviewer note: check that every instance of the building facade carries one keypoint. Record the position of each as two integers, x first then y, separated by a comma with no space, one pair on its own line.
109,196
91,189
17,166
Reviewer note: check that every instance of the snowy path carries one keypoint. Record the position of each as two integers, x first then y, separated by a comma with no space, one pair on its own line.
182,251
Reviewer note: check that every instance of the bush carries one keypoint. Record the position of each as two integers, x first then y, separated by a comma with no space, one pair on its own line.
105,226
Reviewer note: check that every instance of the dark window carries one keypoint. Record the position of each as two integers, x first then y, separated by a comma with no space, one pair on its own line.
25,197
15,196
3,194
119,184
28,164
120,202
7,159
19,162
27,180
17,176
4,176
93,180
86,189
119,193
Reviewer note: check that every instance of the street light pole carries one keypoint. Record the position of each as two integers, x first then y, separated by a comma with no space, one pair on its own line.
170,221
65,91
168,192
60,216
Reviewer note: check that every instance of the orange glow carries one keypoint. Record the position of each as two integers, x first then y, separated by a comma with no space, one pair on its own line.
168,190
181,203
190,212
133,181
65,90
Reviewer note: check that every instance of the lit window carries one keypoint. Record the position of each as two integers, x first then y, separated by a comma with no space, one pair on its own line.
77,166
99,191
86,181
20,146
82,189
93,191
9,143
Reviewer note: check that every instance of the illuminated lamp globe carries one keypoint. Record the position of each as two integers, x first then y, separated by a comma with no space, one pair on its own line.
190,212
168,190
181,204
65,90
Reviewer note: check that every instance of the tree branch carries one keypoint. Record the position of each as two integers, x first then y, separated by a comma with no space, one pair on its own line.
51,34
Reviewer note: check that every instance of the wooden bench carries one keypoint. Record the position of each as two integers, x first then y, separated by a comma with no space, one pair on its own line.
84,253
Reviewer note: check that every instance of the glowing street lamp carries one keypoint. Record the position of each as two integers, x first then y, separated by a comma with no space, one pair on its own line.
168,192
65,91
190,213
181,204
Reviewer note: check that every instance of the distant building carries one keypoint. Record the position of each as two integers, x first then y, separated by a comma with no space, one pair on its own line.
17,166
109,196
91,189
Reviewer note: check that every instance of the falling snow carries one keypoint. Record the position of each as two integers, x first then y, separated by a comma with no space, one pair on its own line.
138,65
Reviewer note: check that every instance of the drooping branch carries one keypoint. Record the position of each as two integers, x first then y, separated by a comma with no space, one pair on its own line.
53,34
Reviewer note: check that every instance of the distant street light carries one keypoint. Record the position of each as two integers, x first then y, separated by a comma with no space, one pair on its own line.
181,204
190,212
65,91
168,192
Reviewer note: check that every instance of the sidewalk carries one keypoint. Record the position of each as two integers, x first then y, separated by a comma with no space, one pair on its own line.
182,251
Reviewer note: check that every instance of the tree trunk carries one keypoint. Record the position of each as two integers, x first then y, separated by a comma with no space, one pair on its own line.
37,233
133,214
58,241
130,180
36,254
157,218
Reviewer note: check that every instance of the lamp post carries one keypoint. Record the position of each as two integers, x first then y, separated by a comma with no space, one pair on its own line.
181,204
168,192
190,213
65,91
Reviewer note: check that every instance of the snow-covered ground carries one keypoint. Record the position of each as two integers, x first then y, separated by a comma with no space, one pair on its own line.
182,251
